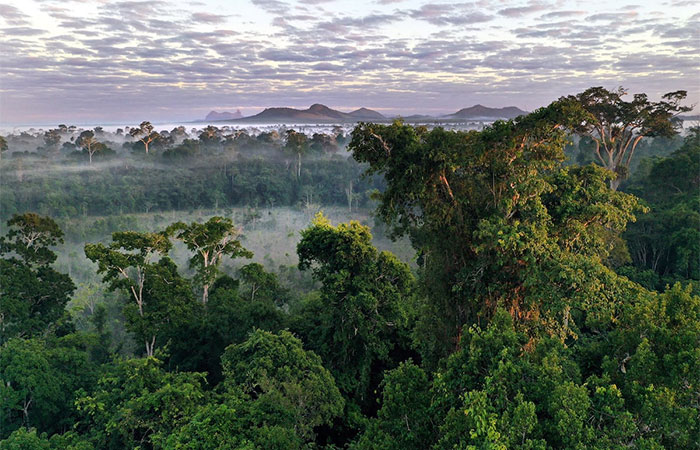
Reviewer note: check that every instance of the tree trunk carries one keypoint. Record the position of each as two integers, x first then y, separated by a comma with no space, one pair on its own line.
615,183
299,165
150,346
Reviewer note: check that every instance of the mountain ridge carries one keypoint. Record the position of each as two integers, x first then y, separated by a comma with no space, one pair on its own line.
481,111
315,113
319,113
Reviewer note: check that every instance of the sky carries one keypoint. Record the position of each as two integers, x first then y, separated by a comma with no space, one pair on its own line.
104,61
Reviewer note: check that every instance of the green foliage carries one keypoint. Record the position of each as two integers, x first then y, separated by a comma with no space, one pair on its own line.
30,237
23,439
496,221
208,182
274,396
137,404
288,384
404,420
528,335
298,144
617,126
654,357
127,264
209,242
666,241
32,294
199,340
39,381
32,300
358,320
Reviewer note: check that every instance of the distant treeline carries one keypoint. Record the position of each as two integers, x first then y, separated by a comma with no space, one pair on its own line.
74,172
121,190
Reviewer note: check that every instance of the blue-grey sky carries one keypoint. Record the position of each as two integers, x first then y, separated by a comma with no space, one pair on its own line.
64,61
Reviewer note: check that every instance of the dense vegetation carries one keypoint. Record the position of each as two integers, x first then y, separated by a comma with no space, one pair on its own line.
544,308
212,171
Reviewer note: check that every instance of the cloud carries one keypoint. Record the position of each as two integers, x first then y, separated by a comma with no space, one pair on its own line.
449,14
119,58
273,6
209,18
561,14
13,15
518,11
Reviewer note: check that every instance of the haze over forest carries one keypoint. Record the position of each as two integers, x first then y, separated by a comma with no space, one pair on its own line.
349,224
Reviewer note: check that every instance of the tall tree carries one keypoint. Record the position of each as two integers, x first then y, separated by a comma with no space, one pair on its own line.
298,144
357,322
145,134
124,264
616,126
31,236
477,208
88,142
32,294
210,137
210,242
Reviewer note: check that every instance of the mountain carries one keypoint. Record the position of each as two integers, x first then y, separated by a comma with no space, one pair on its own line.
477,112
316,113
215,115
366,114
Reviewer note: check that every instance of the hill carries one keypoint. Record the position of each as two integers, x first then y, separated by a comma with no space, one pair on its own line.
215,115
480,112
316,113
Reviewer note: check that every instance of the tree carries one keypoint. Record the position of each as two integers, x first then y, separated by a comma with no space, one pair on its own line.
210,137
88,143
136,404
298,144
27,384
124,264
30,237
32,294
262,284
145,134
274,396
665,243
3,145
39,380
478,210
209,242
52,139
288,384
405,420
617,126
356,324
229,318
23,439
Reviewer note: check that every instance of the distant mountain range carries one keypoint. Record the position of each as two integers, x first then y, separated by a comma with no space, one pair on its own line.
215,115
318,113
315,114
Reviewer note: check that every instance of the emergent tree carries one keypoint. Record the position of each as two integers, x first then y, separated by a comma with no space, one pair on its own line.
616,126
210,242
145,134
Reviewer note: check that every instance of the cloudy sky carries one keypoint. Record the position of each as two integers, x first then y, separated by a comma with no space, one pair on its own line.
107,61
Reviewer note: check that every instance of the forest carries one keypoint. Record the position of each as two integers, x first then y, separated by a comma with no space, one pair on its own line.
534,284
